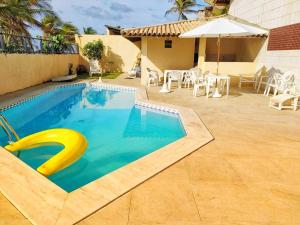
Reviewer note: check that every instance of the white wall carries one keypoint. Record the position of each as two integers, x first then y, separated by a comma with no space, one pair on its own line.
267,13
271,14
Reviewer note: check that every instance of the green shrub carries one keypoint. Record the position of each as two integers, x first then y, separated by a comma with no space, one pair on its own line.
15,48
55,44
94,50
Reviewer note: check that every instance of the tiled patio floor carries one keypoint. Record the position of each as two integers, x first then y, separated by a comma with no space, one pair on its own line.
248,176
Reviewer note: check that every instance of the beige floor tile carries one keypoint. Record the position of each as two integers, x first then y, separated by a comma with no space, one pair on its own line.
9,215
163,200
220,203
168,223
113,214
210,168
272,169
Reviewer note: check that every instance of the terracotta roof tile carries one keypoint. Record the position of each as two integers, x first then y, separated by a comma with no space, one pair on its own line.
173,29
167,29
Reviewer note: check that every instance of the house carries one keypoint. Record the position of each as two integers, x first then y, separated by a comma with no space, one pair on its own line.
162,49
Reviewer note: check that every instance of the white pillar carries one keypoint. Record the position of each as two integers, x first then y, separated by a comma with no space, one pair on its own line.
201,56
144,60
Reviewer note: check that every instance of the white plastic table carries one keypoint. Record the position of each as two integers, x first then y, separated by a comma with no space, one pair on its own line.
165,88
220,78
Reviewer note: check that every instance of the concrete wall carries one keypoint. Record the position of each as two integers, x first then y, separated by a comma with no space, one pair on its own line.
18,71
120,53
272,14
157,57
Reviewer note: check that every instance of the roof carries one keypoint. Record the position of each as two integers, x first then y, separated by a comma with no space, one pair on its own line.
166,29
174,29
118,28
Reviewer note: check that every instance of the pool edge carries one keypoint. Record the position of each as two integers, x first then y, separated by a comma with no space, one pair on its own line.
45,203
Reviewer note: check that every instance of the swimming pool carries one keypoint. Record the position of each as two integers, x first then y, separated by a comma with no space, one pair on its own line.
118,131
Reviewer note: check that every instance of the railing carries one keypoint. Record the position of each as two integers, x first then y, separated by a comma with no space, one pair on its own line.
10,44
8,129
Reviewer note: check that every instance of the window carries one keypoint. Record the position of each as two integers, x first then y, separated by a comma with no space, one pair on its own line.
168,43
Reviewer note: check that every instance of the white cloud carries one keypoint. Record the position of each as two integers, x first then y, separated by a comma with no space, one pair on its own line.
127,13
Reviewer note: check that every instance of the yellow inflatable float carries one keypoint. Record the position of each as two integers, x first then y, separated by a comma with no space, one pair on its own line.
74,146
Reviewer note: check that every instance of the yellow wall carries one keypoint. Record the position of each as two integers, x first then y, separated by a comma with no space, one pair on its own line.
246,51
120,53
181,56
228,47
250,48
157,57
242,49
231,68
18,71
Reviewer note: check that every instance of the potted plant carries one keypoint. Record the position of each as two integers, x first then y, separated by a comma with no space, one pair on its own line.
94,52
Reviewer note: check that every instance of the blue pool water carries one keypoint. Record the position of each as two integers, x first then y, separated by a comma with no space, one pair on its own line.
118,131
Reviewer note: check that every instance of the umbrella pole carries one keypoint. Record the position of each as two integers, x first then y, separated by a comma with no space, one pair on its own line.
219,48
217,94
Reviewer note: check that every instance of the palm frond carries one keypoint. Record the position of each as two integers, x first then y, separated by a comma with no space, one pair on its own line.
183,6
18,16
171,10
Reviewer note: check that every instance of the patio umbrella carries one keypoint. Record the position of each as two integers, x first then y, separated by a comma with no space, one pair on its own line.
223,27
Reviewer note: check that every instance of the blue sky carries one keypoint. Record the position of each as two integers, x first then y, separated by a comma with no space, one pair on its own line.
126,13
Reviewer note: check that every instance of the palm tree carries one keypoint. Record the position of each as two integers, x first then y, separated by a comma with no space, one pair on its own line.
69,30
52,25
183,7
18,16
89,30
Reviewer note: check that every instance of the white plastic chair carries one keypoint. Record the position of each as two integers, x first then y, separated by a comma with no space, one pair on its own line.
134,72
152,77
272,83
268,79
189,78
199,82
280,101
174,76
94,67
210,83
286,84
246,78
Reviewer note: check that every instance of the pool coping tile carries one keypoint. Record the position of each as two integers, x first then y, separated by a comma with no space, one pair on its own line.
42,202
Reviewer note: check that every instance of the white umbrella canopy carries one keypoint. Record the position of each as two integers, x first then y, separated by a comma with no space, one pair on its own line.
223,27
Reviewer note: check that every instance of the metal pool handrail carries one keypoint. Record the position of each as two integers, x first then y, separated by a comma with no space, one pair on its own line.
8,128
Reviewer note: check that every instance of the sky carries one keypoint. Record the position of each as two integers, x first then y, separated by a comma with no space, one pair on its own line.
125,13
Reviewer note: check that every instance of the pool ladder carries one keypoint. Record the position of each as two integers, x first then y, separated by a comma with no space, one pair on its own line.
8,129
